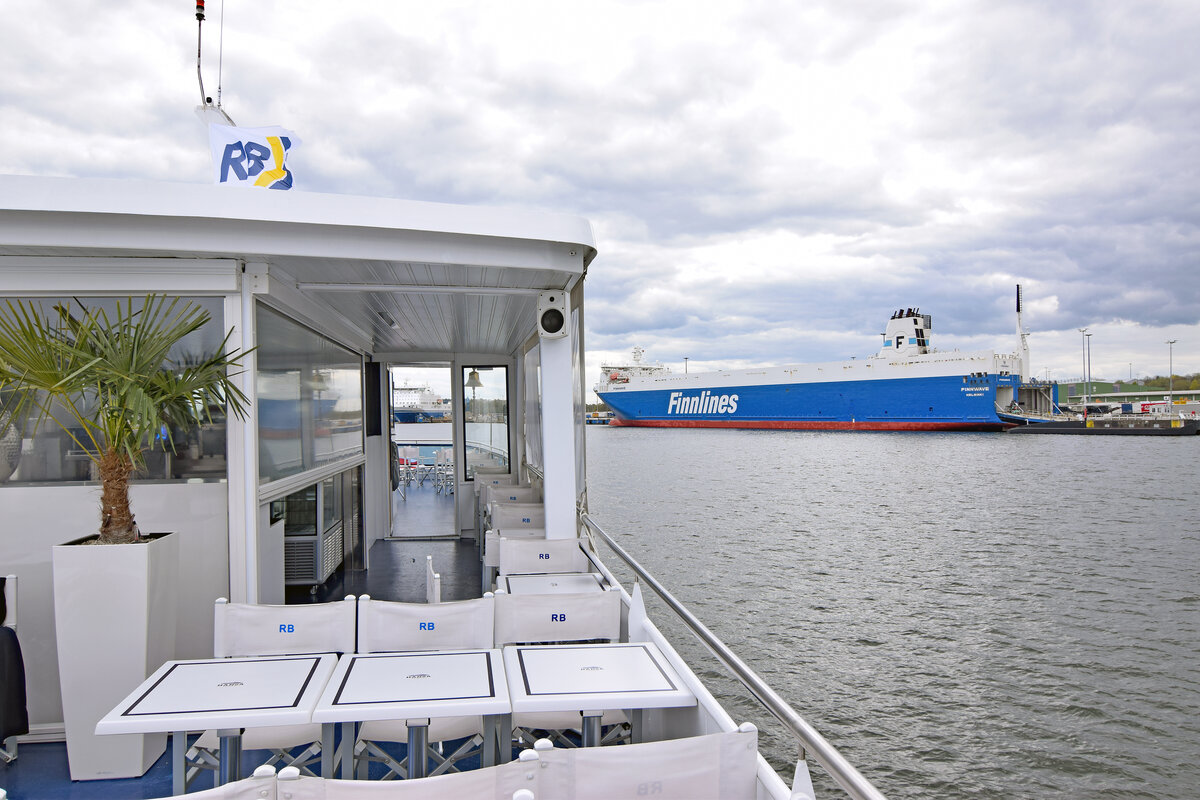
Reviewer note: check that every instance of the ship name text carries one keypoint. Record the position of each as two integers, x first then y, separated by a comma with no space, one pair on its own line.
703,403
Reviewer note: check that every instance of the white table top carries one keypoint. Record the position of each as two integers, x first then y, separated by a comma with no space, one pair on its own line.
592,677
555,583
223,693
451,683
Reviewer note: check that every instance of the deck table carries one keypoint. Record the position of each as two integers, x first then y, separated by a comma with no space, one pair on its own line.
226,694
417,686
593,678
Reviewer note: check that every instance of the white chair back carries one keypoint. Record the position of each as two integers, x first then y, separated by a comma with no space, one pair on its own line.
385,626
485,476
517,780
516,515
523,556
491,542
716,766
538,618
245,629
509,493
433,582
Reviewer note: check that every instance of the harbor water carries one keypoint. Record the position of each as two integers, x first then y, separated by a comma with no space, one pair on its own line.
962,615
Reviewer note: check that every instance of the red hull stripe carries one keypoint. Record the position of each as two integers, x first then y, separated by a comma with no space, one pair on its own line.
796,425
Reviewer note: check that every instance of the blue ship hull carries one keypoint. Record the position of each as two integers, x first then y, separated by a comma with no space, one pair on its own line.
955,402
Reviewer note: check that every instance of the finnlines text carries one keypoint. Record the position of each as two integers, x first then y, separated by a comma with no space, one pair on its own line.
703,403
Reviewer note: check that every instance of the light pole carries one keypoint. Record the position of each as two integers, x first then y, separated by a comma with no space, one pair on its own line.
1170,372
1089,365
1083,353
685,358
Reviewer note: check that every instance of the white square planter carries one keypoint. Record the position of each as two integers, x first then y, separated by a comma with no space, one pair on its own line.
114,611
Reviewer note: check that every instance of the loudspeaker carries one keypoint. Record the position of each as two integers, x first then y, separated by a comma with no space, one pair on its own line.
373,401
552,315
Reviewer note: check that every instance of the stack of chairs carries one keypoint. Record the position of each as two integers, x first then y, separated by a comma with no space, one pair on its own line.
493,495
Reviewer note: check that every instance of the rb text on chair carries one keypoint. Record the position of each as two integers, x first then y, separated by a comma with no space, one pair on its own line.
385,626
246,629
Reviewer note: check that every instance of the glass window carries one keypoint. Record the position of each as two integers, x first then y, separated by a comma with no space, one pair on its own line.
31,453
310,398
485,418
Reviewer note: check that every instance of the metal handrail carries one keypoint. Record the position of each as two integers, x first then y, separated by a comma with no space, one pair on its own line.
834,763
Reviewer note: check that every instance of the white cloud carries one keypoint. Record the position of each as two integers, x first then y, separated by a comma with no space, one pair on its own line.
768,180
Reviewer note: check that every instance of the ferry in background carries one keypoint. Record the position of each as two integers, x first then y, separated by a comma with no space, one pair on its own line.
418,404
906,386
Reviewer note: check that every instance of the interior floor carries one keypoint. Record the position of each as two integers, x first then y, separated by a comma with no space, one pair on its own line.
397,564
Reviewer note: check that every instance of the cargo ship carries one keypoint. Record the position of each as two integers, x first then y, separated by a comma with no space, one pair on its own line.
906,386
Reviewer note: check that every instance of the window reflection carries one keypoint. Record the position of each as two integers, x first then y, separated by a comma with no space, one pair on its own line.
485,418
46,454
310,402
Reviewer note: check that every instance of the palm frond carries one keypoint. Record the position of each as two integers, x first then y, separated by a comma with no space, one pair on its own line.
111,376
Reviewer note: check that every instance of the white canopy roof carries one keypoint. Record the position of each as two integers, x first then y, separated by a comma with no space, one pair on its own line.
417,277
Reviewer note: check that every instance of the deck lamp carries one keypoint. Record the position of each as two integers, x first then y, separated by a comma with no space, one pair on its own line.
473,383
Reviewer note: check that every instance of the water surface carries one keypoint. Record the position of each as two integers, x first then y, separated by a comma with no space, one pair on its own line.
962,615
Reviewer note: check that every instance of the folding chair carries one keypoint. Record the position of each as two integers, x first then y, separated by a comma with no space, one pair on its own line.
715,766
525,556
433,582
246,629
510,507
560,619
385,626
444,477
412,463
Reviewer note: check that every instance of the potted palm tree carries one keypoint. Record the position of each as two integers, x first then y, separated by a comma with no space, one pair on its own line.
112,383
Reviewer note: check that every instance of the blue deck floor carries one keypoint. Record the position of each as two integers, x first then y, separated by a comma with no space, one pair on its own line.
397,572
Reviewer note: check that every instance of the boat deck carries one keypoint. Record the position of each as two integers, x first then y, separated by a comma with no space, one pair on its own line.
397,572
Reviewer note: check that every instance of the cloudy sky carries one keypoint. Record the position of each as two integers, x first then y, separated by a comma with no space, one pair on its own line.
768,181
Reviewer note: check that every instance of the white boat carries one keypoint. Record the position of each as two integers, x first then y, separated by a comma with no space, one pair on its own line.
302,277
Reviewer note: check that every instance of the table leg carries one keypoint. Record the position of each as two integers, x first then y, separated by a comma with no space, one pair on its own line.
418,740
497,739
231,755
327,752
346,762
636,733
178,762
591,730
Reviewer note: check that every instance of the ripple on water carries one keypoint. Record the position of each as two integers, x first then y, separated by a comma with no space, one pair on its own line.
962,615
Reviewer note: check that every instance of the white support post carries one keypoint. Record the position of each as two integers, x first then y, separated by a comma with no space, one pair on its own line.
242,443
377,476
558,436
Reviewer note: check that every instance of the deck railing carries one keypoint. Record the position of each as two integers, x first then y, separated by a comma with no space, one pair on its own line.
811,742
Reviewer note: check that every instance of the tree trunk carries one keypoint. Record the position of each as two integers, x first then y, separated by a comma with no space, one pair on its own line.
116,520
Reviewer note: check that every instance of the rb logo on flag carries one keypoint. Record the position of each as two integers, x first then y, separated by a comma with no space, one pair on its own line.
252,156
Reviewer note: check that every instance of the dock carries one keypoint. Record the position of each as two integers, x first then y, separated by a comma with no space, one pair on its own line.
1125,425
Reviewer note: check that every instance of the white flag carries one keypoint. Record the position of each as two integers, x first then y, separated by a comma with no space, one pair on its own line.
252,156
